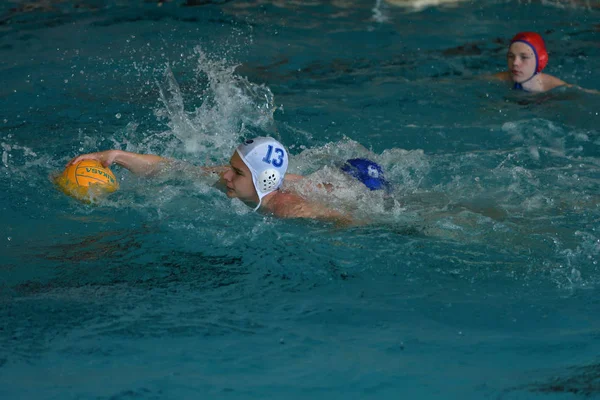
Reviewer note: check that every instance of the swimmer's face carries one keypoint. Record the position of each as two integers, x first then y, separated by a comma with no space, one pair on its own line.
521,62
239,180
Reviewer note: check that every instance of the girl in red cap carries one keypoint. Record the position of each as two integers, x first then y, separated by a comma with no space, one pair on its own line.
527,57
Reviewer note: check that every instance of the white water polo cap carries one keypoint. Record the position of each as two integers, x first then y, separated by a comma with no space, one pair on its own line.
267,160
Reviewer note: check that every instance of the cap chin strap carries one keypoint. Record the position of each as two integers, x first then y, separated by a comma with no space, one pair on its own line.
260,200
519,85
530,78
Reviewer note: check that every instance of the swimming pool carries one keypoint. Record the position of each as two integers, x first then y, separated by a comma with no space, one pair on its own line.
480,281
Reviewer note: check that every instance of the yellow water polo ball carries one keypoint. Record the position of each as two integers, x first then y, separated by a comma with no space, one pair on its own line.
87,179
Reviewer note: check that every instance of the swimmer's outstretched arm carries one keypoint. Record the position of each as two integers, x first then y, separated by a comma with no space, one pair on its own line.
592,91
139,164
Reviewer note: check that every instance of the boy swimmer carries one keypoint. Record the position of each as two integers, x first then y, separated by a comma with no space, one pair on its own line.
255,174
527,57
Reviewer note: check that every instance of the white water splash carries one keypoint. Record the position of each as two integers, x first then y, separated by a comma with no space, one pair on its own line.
420,5
231,107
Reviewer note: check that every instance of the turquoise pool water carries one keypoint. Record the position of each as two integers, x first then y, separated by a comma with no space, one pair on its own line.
479,281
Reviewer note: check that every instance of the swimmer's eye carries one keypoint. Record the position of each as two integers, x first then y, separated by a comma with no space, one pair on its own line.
236,171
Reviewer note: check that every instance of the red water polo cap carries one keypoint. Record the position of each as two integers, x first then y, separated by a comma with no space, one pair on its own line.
536,42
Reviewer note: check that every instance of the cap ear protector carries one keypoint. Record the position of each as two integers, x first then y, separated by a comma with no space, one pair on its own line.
268,180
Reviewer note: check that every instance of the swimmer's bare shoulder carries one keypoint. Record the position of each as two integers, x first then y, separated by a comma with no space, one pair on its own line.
502,76
292,205
550,82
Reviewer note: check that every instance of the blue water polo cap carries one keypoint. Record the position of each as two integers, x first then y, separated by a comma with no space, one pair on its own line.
366,171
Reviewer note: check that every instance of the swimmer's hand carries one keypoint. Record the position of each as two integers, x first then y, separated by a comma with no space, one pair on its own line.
106,158
139,164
